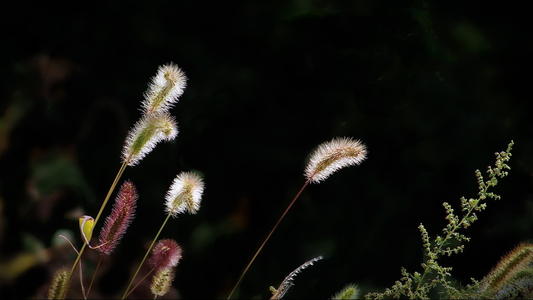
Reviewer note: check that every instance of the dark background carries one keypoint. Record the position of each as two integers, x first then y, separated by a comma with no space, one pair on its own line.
433,88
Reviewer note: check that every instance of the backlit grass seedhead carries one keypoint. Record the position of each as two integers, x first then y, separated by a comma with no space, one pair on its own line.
119,219
332,156
349,292
166,254
145,135
58,287
165,89
519,287
287,283
519,259
162,281
184,194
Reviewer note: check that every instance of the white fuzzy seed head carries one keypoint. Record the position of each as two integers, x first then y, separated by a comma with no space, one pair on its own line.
164,90
184,194
332,156
145,134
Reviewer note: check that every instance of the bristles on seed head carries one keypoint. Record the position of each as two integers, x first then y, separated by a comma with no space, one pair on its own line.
119,219
166,254
350,291
162,281
520,258
165,89
332,156
287,283
59,285
146,133
184,194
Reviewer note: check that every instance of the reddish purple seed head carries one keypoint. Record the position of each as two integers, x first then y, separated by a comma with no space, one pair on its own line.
166,254
119,219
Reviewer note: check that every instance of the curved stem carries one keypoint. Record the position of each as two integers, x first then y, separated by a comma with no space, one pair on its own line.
125,294
81,283
111,189
94,275
267,238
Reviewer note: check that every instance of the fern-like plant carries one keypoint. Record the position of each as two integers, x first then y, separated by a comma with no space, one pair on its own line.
419,285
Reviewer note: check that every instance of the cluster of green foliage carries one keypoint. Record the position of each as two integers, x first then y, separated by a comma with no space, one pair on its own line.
511,278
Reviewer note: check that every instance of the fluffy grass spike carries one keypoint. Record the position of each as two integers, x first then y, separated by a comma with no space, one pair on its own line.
287,283
166,254
349,292
119,220
162,281
145,134
519,287
184,194
517,260
58,288
332,156
164,90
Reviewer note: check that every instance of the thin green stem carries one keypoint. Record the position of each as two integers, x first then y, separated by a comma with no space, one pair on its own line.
94,274
267,238
124,295
111,189
81,283
140,281
115,182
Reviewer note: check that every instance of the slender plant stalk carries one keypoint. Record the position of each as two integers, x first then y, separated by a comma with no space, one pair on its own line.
81,284
115,182
125,294
267,238
111,189
139,282
94,275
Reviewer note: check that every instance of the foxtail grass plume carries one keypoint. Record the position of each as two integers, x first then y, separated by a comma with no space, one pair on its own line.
349,292
118,221
519,287
332,156
165,89
519,259
162,281
287,283
58,287
166,254
146,133
184,194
